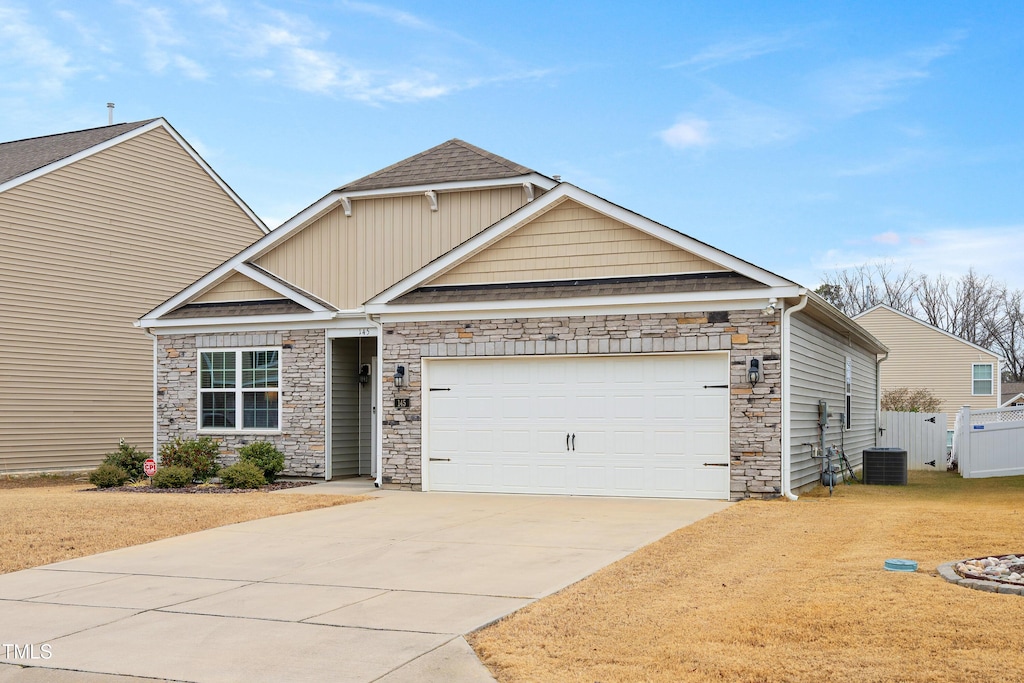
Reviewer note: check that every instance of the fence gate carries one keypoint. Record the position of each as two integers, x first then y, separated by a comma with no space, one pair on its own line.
921,435
989,443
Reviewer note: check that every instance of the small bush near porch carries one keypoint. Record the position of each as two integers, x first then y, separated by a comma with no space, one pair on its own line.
790,591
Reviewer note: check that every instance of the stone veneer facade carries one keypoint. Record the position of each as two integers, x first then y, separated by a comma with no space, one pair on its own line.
755,413
303,417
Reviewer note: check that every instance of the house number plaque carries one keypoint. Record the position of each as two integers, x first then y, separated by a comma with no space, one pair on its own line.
401,403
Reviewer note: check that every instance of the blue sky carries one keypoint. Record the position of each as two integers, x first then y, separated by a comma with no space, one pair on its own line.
799,136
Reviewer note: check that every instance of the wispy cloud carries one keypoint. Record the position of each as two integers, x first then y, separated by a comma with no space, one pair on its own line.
91,34
992,250
162,40
687,133
899,160
390,14
727,121
23,43
869,84
732,51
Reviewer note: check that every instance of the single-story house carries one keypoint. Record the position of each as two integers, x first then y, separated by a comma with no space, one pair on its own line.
97,225
460,322
921,356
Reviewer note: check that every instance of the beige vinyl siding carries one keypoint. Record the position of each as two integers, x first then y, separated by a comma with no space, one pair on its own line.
87,249
347,260
573,241
923,358
818,371
237,287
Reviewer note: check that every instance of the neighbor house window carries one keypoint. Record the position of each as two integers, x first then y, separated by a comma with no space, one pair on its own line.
239,389
982,379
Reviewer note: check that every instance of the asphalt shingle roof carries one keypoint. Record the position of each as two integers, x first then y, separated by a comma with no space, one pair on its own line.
24,156
453,160
654,284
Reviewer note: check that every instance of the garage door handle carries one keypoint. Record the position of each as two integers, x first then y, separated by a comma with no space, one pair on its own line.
574,442
566,442
716,464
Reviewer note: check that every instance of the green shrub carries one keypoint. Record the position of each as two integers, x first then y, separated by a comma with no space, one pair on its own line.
242,475
129,458
199,455
107,476
173,477
265,456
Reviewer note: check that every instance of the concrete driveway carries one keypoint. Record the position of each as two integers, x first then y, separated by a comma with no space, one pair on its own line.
376,591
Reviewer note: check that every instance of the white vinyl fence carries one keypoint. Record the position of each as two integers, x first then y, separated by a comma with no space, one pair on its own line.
921,435
989,443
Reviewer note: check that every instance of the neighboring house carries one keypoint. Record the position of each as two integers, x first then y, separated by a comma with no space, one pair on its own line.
1012,394
922,356
95,226
460,322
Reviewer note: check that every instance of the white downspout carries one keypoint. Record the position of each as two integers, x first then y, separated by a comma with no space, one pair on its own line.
378,387
878,392
156,396
786,396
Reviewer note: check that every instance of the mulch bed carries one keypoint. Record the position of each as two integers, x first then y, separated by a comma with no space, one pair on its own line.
276,486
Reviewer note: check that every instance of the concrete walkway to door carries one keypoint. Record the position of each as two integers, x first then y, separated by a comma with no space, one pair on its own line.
376,591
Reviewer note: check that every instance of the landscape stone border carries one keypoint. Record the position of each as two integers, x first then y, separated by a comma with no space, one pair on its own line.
948,572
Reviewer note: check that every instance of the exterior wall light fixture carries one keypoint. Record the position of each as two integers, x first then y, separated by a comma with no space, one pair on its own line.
400,377
364,373
754,373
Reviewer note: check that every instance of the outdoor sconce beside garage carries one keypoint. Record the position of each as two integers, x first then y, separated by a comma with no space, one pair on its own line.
399,377
754,373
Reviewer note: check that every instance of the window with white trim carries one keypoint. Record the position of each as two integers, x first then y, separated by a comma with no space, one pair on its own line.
981,379
239,389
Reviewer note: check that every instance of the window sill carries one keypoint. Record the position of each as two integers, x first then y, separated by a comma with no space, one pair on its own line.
240,432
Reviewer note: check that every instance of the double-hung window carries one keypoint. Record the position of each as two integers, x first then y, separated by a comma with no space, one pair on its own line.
239,389
981,379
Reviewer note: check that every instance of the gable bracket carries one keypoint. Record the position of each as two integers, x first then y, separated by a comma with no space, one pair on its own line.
432,198
528,189
346,205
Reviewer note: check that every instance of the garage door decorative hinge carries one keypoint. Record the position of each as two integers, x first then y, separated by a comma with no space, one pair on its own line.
440,389
440,460
716,464
716,386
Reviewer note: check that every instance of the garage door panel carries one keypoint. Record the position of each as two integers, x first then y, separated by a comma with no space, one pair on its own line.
643,425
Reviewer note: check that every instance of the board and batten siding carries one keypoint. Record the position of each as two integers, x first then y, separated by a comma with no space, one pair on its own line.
572,241
237,287
924,358
818,371
346,260
87,249
345,396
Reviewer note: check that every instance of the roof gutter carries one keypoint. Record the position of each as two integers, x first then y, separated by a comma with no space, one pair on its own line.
787,366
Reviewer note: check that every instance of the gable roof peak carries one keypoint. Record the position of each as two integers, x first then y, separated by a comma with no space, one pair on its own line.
19,157
452,161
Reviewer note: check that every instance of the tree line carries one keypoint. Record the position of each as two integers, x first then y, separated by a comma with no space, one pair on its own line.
973,307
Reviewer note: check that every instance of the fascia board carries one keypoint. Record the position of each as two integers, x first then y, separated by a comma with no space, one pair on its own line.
725,300
177,325
840,321
88,152
285,291
452,186
261,246
931,327
562,192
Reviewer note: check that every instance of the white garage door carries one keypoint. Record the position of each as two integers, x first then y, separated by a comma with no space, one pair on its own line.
652,425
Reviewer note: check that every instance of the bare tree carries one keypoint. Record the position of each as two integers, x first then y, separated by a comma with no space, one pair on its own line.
855,290
1007,333
906,400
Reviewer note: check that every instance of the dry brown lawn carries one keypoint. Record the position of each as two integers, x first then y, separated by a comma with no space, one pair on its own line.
790,591
49,519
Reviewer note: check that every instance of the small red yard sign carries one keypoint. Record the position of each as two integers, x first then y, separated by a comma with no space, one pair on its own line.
149,467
